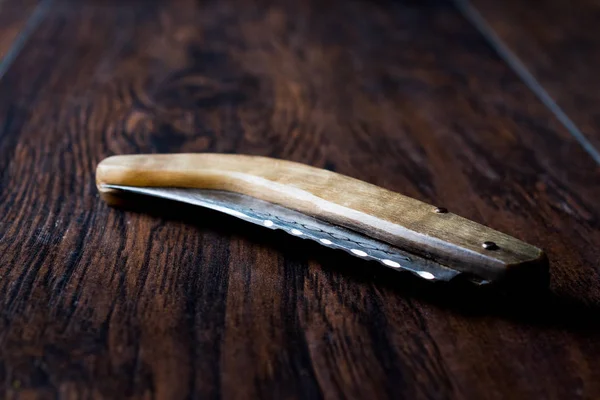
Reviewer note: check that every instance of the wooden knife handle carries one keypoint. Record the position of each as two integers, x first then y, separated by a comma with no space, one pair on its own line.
371,210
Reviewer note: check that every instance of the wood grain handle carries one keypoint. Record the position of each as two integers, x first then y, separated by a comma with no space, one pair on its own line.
371,210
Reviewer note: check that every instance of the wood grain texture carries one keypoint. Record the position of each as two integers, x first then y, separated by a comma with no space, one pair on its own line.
341,200
176,303
558,42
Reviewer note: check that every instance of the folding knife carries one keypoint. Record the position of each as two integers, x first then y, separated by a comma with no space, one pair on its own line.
334,210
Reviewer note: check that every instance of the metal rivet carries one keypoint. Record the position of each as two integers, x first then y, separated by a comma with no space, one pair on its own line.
359,252
426,275
391,263
441,210
489,245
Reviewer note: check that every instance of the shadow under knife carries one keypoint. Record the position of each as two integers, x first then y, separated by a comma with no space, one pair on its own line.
539,306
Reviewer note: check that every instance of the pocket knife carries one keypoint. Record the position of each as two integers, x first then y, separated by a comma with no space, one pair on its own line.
334,210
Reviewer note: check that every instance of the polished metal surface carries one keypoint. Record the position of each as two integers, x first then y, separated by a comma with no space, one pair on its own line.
273,216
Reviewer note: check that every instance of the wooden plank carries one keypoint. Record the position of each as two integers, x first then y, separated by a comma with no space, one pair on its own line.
97,302
557,42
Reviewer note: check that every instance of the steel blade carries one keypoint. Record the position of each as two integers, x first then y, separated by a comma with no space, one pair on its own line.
273,216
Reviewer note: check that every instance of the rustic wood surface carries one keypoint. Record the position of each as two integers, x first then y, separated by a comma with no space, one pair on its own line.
171,302
557,41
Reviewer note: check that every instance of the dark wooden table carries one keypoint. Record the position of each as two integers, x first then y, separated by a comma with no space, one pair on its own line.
420,97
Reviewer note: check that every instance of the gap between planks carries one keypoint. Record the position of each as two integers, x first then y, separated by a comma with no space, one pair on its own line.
514,62
40,11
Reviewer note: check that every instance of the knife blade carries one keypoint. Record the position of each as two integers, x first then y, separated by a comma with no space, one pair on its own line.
332,209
